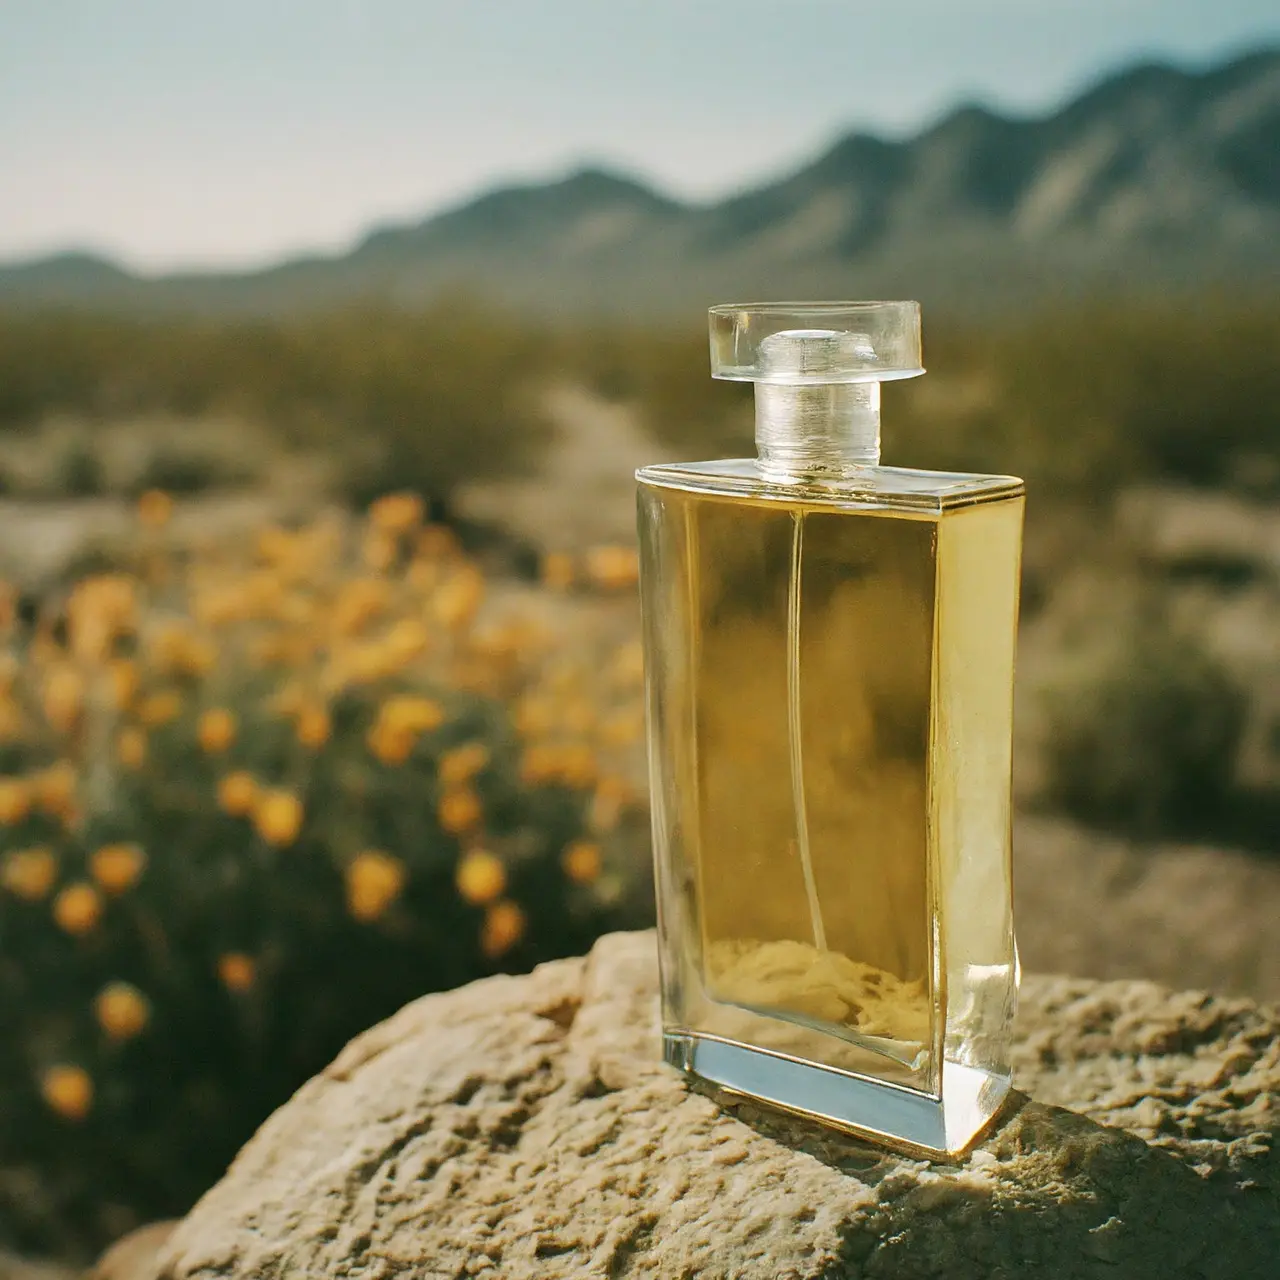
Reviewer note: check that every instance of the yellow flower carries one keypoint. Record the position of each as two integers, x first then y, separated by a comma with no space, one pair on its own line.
405,641
611,795
458,599
277,817
411,712
159,708
56,789
237,793
396,513
131,747
63,698
237,971
15,800
389,744
77,908
378,551
122,676
503,927
179,650
459,810
313,726
481,878
117,867
68,1090
613,568
374,882
216,730
581,861
623,728
122,1010
154,508
29,873
534,715
358,603
557,571
437,541
462,763
99,609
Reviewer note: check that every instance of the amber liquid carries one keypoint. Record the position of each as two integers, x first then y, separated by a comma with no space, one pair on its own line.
807,753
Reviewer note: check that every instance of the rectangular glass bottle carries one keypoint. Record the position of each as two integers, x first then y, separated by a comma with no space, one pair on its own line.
830,649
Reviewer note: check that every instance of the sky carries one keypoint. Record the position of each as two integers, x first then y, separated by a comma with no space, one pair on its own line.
233,133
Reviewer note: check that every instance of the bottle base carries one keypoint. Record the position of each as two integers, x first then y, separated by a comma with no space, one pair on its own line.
904,1119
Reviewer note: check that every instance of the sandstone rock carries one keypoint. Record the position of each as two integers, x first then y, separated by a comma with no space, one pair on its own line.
134,1257
525,1127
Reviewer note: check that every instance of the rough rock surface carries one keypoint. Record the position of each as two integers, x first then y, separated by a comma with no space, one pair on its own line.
524,1127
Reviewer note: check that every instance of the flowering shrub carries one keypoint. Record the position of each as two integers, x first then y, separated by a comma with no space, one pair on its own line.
254,798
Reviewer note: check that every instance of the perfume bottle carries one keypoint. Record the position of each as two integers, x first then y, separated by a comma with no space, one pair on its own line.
829,649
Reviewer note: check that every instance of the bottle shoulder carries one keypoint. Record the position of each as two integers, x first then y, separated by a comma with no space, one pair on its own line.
893,488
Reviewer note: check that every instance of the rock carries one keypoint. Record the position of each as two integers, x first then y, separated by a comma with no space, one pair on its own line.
134,1257
15,1268
524,1126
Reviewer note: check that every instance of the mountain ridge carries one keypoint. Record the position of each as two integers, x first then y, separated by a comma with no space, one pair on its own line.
1154,178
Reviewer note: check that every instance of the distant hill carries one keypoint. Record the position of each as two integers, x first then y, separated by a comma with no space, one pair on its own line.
1155,179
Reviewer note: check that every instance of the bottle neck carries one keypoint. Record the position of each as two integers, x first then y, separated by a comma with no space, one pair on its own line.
815,432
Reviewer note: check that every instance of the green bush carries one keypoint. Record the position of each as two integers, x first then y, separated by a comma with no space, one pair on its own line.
1149,741
252,801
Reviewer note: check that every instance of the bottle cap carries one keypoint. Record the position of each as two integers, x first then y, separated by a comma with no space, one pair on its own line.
799,343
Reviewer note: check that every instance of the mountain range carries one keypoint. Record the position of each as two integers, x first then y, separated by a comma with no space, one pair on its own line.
1156,179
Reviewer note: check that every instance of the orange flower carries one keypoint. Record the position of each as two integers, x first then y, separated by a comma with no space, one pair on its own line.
122,1010
462,763
237,971
277,817
77,908
29,873
117,867
313,726
613,568
63,698
378,551
396,513
405,641
458,599
56,789
154,508
557,571
237,793
358,603
581,861
68,1090
123,680
216,730
459,810
131,747
15,800
374,881
179,650
408,711
504,926
436,541
390,745
481,878
159,708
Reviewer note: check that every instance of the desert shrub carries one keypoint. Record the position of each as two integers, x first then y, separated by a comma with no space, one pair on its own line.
1147,741
188,471
78,471
253,799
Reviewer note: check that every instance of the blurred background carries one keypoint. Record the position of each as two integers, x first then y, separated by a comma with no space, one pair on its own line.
330,337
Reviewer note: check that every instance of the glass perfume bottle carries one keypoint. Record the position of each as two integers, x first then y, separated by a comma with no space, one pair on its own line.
830,647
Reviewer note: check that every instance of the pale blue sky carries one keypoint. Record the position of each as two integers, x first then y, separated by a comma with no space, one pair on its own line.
167,132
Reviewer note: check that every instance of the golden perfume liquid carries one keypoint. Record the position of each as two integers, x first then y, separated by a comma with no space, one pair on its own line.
830,697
